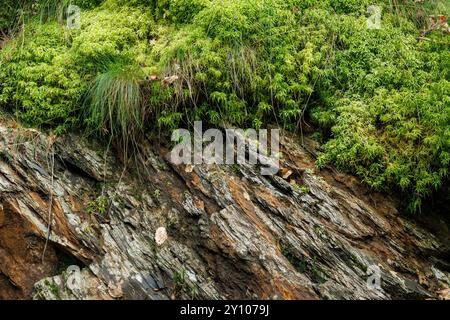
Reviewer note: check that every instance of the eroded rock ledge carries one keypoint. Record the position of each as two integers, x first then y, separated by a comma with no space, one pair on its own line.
231,233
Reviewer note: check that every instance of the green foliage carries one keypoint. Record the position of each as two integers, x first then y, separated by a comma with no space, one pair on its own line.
46,71
383,94
235,68
417,12
109,32
112,45
387,102
16,12
380,97
87,4
9,14
178,11
37,79
99,206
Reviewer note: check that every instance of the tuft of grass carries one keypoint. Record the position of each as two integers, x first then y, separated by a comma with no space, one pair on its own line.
52,9
416,11
114,105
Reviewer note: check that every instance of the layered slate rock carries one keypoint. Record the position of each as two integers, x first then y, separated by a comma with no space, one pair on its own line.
224,232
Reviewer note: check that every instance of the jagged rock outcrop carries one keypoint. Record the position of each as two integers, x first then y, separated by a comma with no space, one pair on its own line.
224,232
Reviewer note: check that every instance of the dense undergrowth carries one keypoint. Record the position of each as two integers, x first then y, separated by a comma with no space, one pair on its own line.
380,98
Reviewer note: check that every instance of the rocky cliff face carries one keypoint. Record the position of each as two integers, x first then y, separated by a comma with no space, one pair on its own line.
201,232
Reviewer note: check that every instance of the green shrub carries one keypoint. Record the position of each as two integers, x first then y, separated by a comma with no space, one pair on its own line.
107,33
387,102
399,139
39,80
19,11
46,71
178,11
233,60
350,6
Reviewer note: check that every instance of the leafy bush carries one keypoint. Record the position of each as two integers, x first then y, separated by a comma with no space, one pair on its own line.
382,94
109,32
38,79
233,65
87,4
400,138
386,99
46,71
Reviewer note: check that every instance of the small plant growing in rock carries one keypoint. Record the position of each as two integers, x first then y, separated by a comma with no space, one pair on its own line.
302,188
179,283
98,206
